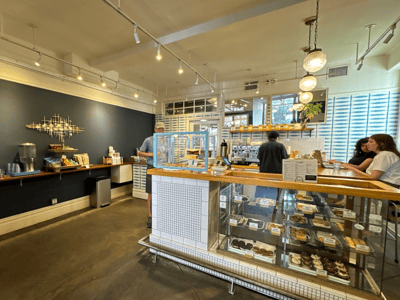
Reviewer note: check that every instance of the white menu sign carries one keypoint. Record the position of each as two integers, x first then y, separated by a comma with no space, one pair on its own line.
301,170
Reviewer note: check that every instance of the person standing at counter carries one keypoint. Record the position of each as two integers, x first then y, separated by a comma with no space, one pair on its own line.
146,150
271,155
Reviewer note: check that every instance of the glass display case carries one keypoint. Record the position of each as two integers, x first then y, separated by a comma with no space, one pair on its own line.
182,150
319,237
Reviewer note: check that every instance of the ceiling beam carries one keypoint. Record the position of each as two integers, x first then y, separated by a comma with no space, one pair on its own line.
198,29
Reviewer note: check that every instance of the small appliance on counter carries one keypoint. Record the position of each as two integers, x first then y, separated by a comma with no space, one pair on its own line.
27,156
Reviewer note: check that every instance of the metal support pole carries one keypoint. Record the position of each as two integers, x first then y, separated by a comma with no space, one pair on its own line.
232,288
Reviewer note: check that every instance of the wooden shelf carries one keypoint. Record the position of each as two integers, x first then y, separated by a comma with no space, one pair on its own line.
62,151
282,130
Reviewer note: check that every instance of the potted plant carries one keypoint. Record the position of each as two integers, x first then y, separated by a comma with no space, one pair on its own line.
310,110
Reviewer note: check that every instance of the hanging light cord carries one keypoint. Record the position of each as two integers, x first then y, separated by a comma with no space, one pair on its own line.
316,26
309,38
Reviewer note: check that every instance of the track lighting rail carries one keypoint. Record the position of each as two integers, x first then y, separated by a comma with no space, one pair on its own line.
391,27
102,77
117,9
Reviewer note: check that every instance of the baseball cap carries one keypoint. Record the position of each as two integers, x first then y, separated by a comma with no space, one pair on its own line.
273,135
159,125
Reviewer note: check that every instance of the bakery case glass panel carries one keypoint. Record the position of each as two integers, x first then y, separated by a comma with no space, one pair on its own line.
181,150
320,237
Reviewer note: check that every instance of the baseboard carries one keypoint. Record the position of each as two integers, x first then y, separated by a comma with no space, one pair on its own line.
36,216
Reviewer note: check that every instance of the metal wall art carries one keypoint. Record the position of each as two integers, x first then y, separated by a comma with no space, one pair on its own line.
57,126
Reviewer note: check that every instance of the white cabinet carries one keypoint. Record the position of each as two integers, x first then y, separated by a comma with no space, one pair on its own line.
121,174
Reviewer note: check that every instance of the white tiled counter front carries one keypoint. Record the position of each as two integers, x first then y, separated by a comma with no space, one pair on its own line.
183,211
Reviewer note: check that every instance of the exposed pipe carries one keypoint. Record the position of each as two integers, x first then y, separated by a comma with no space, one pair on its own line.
155,40
377,41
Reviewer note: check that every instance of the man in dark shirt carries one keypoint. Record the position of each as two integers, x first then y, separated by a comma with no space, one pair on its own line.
271,154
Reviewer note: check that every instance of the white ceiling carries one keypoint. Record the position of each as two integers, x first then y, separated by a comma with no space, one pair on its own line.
267,42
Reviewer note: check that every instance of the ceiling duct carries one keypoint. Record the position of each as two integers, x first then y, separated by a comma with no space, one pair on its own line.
252,85
338,71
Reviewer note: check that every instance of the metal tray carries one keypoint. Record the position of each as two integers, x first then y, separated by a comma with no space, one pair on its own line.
260,224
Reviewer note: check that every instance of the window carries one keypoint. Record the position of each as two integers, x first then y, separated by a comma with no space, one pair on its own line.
236,120
280,109
191,106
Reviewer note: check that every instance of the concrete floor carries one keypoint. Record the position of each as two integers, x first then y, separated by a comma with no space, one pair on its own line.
94,254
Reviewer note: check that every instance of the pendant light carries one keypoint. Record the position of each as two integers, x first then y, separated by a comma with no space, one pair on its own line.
159,56
180,71
197,79
136,95
306,97
257,90
79,75
316,59
103,84
38,61
308,82
298,106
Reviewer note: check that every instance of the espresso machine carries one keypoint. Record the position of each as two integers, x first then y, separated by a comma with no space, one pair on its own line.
27,155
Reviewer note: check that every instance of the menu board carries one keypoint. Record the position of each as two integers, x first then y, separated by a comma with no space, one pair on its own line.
300,170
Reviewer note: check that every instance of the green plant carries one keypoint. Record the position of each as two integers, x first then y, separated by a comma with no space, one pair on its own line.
311,110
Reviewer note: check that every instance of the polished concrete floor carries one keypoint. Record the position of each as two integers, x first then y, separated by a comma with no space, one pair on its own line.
94,254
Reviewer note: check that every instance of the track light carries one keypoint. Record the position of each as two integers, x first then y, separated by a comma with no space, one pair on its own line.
103,84
258,90
211,89
135,34
360,65
38,61
390,36
136,95
180,71
197,79
159,57
79,74
155,101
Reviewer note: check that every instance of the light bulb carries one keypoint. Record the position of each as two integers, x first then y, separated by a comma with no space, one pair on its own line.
180,71
155,101
298,106
258,90
308,82
159,57
136,95
306,97
79,75
103,84
314,61
38,61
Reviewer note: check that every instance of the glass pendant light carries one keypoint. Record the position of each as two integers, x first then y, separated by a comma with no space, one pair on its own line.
316,58
314,61
298,106
308,82
306,97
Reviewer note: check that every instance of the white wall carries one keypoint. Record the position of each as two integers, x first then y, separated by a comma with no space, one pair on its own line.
17,65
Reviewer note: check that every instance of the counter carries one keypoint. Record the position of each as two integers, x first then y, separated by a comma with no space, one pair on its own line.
324,172
192,224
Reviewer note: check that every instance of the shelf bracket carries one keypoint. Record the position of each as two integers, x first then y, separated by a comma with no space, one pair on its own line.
90,172
232,288
60,176
20,182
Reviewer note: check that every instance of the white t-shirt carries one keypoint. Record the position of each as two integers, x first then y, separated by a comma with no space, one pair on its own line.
388,162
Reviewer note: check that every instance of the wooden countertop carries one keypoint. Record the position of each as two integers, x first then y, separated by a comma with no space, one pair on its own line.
324,172
43,173
340,185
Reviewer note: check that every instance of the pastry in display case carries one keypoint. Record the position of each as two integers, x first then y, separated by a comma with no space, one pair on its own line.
310,233
182,150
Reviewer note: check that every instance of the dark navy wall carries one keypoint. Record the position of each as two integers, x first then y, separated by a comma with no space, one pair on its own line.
105,125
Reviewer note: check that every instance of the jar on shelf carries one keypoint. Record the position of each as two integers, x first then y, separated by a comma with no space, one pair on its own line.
268,127
285,127
260,127
241,128
250,128
278,127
